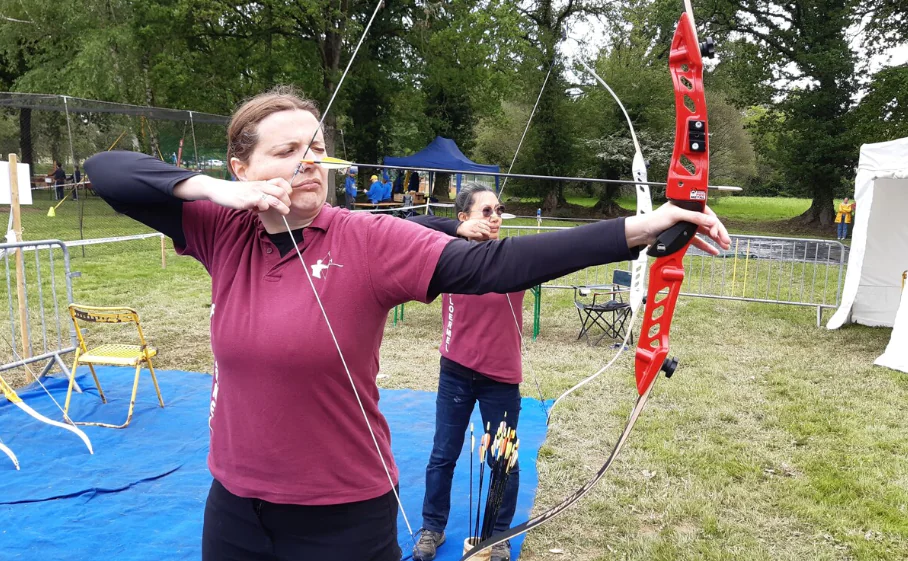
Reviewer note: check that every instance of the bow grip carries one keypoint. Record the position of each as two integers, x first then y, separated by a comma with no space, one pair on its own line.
675,238
678,236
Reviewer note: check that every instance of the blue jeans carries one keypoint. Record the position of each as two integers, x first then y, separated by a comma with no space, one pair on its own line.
843,230
457,396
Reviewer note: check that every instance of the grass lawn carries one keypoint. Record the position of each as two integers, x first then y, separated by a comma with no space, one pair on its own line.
775,440
760,216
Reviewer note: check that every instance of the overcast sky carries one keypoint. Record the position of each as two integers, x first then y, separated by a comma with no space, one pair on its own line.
591,34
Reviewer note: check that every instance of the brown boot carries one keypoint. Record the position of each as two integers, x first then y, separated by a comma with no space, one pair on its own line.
427,545
501,551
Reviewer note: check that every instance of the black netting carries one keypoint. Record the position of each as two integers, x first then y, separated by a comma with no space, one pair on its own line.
41,129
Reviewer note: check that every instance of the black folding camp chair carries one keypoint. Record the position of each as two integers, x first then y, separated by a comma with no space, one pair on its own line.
607,314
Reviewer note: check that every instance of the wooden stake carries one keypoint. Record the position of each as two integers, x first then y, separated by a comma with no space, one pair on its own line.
20,262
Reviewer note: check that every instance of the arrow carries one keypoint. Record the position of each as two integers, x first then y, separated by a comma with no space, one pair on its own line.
336,163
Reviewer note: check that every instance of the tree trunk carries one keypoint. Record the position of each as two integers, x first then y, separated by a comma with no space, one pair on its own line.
554,198
606,203
269,44
331,48
329,130
149,101
440,189
821,212
25,137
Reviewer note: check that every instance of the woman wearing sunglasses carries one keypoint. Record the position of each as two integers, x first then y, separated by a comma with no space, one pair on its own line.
480,362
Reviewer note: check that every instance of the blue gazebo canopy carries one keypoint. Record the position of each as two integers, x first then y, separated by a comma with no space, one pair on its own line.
442,153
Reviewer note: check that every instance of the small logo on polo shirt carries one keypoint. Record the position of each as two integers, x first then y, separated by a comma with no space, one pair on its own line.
214,398
450,326
322,265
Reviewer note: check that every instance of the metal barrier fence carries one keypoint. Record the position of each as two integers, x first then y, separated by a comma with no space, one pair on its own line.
38,291
792,271
103,251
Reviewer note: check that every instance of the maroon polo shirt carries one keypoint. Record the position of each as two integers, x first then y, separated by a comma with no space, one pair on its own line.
480,332
285,424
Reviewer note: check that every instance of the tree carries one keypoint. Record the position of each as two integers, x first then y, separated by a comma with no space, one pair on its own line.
556,154
732,158
887,25
498,136
643,85
467,49
882,113
75,47
811,75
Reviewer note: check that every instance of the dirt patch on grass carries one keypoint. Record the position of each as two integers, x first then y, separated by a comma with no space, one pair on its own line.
793,228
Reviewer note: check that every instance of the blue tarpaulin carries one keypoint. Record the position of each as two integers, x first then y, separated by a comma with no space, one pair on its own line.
442,153
142,494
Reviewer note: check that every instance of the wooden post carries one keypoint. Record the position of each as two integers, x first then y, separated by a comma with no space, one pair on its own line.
163,253
20,262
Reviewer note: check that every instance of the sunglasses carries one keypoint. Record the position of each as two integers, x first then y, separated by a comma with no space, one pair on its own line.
488,211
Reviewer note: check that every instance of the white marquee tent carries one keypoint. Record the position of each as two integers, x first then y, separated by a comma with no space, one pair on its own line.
873,293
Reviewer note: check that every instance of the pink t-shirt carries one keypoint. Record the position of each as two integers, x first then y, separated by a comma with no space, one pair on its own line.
285,425
480,332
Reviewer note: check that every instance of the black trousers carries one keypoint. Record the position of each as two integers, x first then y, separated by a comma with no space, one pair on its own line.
251,529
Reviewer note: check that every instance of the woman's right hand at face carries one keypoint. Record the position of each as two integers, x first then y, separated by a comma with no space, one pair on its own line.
259,196
475,229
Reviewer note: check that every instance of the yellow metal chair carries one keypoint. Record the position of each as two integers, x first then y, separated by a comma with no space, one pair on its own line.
110,354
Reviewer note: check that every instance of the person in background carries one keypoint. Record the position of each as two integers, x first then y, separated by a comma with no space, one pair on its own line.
843,217
480,363
375,190
386,187
350,187
398,183
77,179
59,177
414,182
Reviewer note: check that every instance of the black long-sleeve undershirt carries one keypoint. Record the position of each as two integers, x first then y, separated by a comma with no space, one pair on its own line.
141,187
